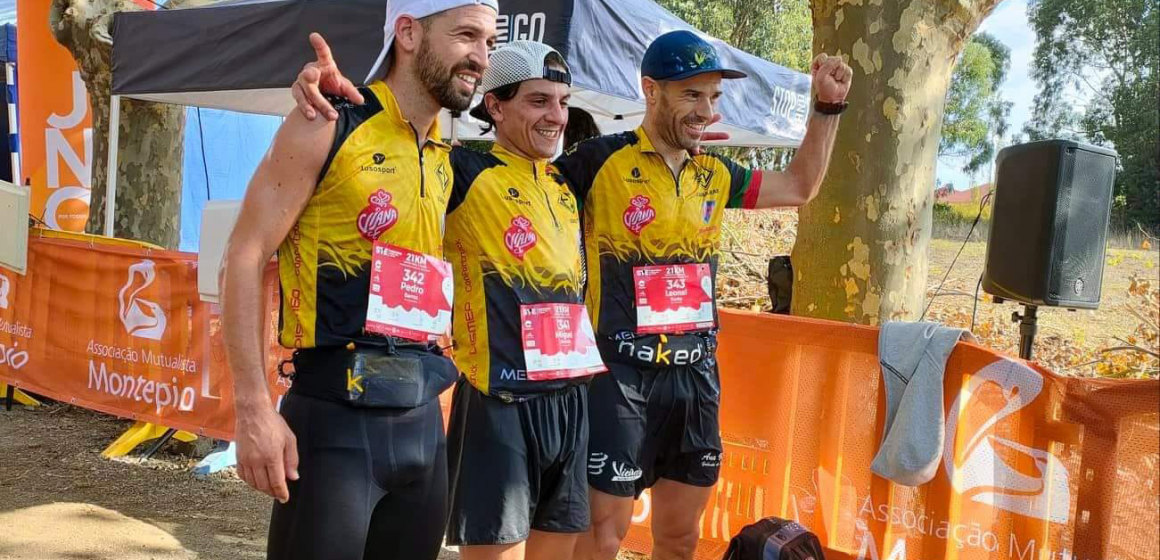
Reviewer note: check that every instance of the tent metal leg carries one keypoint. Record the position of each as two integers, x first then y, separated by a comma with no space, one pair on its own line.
111,185
161,441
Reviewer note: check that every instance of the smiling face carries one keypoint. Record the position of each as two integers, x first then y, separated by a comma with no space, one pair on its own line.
682,109
533,121
452,53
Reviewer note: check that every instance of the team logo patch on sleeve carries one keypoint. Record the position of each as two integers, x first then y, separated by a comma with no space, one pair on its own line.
639,214
708,207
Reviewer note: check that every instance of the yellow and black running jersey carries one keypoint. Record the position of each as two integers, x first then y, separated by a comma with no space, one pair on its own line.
638,213
377,184
513,237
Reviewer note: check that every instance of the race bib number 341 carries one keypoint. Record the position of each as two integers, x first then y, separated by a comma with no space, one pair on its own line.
673,298
558,341
411,294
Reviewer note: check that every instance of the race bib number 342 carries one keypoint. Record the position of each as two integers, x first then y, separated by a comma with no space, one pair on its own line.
411,294
673,298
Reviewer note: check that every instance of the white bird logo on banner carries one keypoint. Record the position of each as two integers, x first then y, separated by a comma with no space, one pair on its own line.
994,482
142,318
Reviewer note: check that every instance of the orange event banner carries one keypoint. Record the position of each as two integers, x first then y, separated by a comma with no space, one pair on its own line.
56,134
120,329
1035,466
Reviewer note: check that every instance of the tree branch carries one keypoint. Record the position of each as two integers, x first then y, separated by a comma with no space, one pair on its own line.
56,25
1130,348
102,30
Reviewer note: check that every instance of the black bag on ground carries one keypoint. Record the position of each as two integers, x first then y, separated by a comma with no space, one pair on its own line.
774,538
780,283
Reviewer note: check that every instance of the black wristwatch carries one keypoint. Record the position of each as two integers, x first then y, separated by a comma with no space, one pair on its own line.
830,108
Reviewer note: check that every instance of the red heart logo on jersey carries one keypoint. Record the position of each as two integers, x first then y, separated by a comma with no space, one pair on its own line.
520,238
378,216
639,214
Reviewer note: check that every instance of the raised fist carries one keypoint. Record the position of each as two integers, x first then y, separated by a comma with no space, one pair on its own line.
832,78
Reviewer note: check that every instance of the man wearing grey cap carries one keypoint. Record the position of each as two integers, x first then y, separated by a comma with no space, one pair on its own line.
357,458
518,436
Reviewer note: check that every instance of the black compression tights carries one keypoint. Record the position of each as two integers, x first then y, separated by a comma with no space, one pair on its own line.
372,484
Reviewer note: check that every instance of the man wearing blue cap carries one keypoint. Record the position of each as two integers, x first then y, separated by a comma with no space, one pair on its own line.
652,219
652,211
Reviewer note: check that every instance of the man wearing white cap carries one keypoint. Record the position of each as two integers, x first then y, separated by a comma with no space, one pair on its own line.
357,458
518,436
519,431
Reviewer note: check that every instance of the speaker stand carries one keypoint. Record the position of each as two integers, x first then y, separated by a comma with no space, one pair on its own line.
1028,327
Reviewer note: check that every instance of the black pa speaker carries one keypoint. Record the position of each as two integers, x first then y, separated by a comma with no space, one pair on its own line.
1049,223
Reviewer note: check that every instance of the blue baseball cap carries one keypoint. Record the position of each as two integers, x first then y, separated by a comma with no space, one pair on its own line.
677,55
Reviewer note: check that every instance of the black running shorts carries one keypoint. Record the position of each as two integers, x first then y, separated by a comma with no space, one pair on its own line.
652,423
517,466
372,483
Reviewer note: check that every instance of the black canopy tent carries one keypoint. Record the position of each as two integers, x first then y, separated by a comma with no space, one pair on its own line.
243,55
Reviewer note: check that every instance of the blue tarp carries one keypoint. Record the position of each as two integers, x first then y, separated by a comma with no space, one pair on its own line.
234,145
8,43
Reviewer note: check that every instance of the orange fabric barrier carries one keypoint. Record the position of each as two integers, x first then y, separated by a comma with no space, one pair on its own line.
121,330
1036,466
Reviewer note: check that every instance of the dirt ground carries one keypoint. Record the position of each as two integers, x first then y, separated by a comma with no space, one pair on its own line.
59,500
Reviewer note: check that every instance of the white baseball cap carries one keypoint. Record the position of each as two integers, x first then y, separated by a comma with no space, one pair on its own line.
417,9
519,61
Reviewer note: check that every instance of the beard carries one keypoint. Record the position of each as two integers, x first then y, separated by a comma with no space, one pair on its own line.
673,132
439,80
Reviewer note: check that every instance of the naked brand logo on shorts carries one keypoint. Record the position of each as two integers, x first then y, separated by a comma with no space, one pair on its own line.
378,216
711,459
639,214
624,473
378,166
596,462
658,353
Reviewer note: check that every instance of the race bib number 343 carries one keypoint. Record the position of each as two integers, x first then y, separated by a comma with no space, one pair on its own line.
411,294
673,298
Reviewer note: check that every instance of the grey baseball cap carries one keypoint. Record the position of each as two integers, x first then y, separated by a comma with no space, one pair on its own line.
520,61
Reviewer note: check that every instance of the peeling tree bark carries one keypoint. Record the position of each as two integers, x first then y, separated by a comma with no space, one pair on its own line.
862,244
150,150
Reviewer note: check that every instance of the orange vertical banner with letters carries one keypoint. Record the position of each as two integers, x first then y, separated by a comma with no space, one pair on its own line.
56,130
